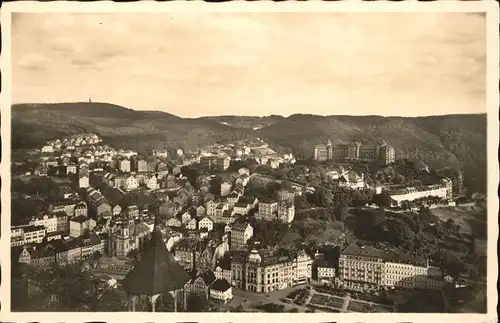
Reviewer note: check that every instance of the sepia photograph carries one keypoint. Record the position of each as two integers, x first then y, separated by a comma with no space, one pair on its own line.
258,161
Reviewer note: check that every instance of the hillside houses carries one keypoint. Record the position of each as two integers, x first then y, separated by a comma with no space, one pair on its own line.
70,142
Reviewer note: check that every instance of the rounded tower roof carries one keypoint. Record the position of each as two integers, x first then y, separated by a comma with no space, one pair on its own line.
254,256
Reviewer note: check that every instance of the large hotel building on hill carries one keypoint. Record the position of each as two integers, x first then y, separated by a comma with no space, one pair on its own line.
384,153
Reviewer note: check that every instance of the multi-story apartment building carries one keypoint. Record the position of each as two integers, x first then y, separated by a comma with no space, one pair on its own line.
211,207
38,255
71,169
326,270
62,222
200,211
240,233
232,199
221,290
219,211
161,170
188,251
48,220
214,162
132,211
286,212
97,202
200,284
302,267
151,182
448,183
361,267
191,224
123,164
80,224
83,180
265,271
244,205
61,251
286,195
131,183
223,269
80,209
387,155
141,165
151,164
323,152
365,267
27,234
185,218
116,210
206,223
225,188
268,210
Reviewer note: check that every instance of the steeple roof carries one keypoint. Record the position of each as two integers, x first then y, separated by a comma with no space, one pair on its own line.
157,271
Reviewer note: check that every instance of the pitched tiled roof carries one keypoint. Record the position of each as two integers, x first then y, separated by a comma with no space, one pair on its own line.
207,276
238,226
220,285
79,219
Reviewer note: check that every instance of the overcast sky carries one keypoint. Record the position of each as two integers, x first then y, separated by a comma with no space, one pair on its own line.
197,64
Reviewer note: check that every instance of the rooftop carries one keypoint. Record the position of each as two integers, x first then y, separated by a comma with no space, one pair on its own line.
358,249
79,219
221,285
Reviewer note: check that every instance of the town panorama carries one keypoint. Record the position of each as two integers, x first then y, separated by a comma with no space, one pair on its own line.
239,227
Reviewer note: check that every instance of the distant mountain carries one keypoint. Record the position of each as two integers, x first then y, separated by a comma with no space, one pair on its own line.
34,124
457,141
